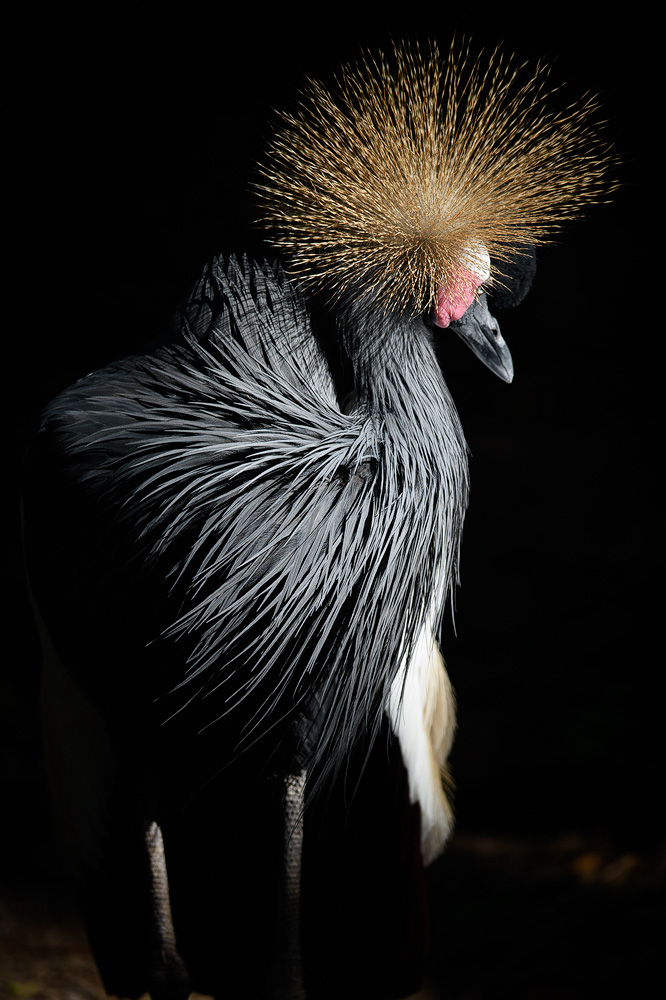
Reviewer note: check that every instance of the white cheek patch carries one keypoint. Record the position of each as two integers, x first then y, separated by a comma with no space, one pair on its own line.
477,259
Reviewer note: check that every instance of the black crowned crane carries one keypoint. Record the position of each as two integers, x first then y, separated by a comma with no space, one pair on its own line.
241,540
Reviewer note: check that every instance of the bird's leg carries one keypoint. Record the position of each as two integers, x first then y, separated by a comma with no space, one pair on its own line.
287,972
168,976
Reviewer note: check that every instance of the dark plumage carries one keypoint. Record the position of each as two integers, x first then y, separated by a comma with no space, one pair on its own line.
241,541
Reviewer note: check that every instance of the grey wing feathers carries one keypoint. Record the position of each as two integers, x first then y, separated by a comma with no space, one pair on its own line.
255,307
224,463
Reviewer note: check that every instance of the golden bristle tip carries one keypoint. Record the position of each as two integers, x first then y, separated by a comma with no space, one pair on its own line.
388,181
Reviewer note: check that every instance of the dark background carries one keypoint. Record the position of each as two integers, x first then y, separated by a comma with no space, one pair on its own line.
130,137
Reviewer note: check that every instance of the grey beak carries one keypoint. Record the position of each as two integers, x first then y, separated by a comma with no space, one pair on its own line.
480,331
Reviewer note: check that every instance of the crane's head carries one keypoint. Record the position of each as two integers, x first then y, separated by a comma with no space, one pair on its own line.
419,183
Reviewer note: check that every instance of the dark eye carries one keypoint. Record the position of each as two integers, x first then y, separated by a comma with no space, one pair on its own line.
515,275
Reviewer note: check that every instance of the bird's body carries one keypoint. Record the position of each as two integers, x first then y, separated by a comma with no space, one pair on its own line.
235,420
241,541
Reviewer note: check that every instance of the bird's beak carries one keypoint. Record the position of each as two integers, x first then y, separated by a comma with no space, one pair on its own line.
480,331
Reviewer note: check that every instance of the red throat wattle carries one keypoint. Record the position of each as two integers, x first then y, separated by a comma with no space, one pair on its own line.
454,299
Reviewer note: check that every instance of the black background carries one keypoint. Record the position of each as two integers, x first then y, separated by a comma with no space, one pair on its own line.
131,134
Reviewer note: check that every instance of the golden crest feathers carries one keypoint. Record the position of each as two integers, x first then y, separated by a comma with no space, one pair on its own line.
383,184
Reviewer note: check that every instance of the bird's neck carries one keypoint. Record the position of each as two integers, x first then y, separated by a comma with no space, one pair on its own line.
413,428
394,364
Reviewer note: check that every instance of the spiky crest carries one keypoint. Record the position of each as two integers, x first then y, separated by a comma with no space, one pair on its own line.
386,181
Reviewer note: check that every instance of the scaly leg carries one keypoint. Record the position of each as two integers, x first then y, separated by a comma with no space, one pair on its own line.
287,971
169,979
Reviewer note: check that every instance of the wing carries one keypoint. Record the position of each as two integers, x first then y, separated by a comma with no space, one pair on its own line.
213,525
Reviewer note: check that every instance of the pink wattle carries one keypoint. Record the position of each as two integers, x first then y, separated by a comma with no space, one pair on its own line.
453,302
